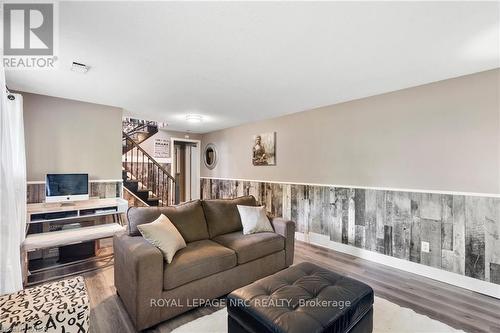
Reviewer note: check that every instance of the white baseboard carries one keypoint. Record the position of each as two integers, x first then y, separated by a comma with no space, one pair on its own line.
482,287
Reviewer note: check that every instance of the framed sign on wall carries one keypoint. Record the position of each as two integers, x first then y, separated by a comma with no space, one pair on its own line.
161,148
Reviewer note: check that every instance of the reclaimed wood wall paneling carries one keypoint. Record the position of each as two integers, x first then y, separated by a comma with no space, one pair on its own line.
463,231
36,192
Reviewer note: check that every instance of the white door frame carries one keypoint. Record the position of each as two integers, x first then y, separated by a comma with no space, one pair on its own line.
195,178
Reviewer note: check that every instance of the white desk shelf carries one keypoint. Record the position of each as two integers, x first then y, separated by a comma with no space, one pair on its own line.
41,213
72,236
53,212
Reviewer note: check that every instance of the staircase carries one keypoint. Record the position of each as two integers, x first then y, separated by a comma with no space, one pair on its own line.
142,175
139,131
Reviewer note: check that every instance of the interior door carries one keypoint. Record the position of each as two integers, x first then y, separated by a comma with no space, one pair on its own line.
186,167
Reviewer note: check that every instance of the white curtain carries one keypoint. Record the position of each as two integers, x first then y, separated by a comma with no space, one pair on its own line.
12,189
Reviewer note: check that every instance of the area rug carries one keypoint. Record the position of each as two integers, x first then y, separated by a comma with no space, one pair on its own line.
388,317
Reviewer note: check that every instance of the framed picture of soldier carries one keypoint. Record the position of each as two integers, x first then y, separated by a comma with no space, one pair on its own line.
264,149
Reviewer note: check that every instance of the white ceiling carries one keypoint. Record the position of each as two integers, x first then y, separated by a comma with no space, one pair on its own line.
240,62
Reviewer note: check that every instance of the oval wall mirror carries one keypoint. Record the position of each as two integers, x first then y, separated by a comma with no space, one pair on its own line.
210,156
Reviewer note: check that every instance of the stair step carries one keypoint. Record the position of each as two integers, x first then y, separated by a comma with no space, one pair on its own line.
153,203
143,194
131,185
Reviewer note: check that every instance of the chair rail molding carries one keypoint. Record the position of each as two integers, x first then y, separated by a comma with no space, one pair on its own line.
380,188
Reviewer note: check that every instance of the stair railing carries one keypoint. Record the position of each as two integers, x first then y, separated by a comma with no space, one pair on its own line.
140,127
148,126
148,172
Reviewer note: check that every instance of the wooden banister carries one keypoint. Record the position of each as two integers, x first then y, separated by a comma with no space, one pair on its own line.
149,175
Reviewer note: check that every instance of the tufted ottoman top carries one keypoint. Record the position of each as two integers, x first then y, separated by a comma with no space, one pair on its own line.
301,298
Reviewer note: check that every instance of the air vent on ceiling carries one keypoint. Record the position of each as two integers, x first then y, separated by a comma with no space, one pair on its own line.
79,67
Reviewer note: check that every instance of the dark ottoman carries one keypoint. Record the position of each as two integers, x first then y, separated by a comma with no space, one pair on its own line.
303,298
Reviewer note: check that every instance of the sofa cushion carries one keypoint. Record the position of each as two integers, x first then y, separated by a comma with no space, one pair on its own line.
251,247
188,218
254,219
197,260
222,214
164,235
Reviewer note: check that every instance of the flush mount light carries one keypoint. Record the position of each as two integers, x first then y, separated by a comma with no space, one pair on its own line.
194,118
79,67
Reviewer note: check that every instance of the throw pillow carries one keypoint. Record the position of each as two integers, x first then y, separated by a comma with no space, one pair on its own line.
164,235
254,219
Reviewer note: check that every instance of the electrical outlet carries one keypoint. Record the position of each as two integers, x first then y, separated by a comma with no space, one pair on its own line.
425,247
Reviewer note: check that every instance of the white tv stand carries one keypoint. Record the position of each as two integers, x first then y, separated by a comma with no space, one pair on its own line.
77,211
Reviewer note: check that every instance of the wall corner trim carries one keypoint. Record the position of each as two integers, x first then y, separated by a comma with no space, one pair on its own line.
479,286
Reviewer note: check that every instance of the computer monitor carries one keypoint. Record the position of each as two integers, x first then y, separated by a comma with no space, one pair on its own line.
66,187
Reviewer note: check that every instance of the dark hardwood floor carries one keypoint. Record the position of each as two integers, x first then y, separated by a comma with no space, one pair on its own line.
456,307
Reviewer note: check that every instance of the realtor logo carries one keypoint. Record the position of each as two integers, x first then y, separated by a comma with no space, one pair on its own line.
30,33
28,29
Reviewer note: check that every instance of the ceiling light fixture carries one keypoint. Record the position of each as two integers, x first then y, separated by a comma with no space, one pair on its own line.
194,118
79,67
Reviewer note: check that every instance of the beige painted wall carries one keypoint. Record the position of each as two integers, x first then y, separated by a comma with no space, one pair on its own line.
64,136
439,136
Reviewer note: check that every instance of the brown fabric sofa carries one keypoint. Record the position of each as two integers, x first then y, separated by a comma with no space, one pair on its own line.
218,258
